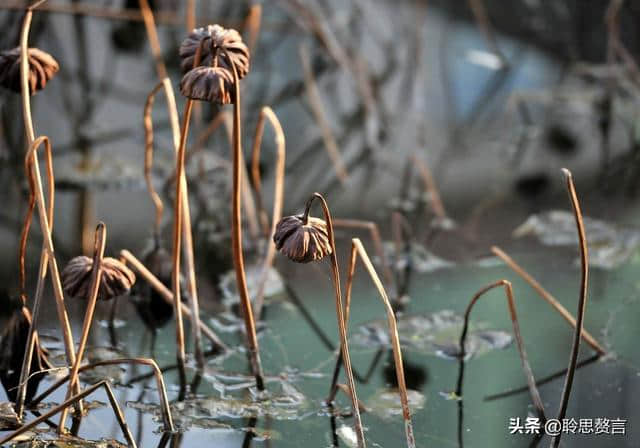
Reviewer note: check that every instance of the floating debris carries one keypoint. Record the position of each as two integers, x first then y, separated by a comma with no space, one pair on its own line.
273,288
68,441
419,257
434,334
609,246
385,403
348,436
209,412
8,417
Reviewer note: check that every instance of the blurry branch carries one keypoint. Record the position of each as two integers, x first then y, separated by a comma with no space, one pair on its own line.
101,12
615,47
317,108
482,19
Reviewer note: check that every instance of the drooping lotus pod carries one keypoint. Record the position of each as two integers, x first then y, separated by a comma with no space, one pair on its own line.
302,239
214,41
212,84
42,67
116,280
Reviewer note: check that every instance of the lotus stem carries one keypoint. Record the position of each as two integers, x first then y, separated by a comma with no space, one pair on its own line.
167,295
278,194
430,187
236,239
162,391
161,71
358,249
548,297
374,234
148,158
582,301
96,276
533,390
70,402
47,260
340,313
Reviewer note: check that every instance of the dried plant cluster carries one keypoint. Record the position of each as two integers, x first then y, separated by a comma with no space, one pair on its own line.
213,61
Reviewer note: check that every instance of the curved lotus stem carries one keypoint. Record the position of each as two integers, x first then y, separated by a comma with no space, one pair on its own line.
278,194
236,237
374,234
47,261
96,275
154,41
548,297
358,249
70,402
148,157
582,301
162,391
533,390
344,347
32,336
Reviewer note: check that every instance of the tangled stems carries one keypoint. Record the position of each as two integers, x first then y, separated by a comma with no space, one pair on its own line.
582,301
236,238
344,347
533,390
96,275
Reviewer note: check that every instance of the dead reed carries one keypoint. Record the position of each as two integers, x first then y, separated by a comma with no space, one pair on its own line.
582,301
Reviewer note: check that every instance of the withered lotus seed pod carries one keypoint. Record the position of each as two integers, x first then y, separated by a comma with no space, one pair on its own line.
302,240
116,280
212,84
42,67
214,41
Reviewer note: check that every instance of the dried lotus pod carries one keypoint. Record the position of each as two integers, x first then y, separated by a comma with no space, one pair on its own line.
213,84
116,280
302,240
221,40
42,67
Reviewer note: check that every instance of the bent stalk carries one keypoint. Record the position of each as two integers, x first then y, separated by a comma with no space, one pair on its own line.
358,249
344,347
278,194
70,402
96,275
546,295
533,390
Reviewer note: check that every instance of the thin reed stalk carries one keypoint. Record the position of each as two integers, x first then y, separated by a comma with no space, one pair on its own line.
157,373
148,158
236,237
430,186
167,295
46,219
70,402
358,249
376,239
96,275
582,301
47,261
340,313
548,297
161,70
252,23
266,113
528,373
